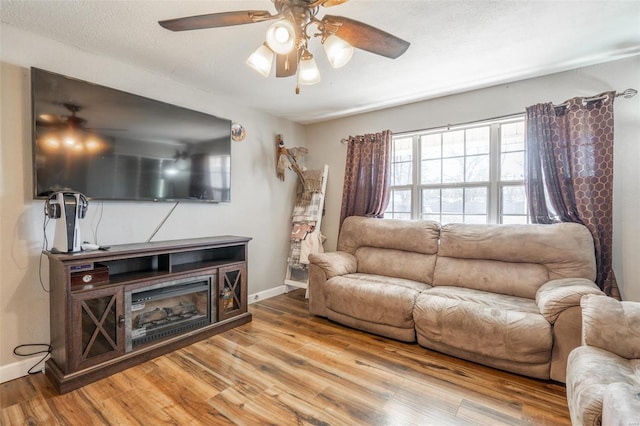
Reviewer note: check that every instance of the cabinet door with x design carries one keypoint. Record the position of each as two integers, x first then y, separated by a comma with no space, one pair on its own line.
98,333
232,289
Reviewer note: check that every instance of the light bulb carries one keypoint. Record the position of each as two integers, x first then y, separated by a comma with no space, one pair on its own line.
52,142
261,60
69,141
281,36
338,51
308,72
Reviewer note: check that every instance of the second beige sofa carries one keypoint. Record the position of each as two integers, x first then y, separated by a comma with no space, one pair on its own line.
507,296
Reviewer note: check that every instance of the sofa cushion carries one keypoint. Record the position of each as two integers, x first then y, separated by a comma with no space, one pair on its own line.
396,263
492,325
589,371
374,298
418,236
624,338
565,249
514,279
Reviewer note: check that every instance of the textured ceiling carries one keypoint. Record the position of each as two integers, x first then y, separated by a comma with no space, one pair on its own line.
455,46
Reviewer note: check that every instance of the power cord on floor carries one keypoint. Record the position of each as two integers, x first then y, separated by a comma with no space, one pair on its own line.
47,352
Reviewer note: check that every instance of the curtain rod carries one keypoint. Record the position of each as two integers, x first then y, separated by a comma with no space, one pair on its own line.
452,126
345,141
628,93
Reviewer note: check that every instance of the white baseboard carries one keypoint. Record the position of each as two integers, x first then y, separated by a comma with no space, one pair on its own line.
267,294
18,369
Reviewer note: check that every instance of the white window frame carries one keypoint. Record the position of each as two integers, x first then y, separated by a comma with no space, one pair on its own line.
494,185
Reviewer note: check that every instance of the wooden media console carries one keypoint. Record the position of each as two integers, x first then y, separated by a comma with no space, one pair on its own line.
116,308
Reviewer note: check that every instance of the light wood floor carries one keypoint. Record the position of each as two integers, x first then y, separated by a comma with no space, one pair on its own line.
288,367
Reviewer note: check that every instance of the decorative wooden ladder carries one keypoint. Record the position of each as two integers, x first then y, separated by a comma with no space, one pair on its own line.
297,275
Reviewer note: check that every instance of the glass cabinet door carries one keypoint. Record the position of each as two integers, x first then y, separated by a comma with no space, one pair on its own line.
232,287
97,327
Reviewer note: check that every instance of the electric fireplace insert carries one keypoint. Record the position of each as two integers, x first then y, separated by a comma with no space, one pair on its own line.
167,309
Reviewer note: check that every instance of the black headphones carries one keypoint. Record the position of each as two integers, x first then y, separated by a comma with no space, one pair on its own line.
53,209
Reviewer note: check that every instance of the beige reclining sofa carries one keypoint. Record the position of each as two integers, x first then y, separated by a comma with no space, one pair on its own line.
507,296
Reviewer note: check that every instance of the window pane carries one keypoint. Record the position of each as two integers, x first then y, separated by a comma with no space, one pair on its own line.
453,143
435,217
512,137
451,219
512,166
402,174
513,200
475,201
403,149
475,219
430,201
431,171
401,200
452,200
514,220
478,140
402,216
453,170
478,168
431,146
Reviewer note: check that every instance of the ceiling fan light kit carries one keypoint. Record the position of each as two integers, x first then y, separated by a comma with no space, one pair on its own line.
261,60
281,36
287,39
68,133
338,51
308,72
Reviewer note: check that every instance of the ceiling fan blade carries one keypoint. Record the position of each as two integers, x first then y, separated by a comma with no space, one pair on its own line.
214,20
287,64
366,37
49,120
329,3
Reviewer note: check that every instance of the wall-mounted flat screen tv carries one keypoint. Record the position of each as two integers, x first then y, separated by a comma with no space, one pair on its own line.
112,145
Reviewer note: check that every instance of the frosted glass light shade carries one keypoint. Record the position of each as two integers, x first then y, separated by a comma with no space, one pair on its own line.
281,36
308,72
261,60
338,51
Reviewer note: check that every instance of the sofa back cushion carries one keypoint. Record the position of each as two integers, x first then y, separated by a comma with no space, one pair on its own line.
396,263
395,248
513,259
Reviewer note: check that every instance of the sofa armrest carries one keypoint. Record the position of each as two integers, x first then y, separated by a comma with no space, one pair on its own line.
323,266
554,296
335,263
621,405
611,325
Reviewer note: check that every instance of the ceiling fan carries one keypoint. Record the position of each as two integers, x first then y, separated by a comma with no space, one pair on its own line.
68,131
288,37
51,120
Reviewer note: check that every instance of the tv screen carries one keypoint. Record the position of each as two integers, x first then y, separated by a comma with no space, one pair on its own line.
112,145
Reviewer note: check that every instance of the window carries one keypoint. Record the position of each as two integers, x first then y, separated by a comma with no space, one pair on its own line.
471,174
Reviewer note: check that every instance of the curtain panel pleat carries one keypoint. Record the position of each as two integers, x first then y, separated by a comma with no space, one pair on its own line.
569,172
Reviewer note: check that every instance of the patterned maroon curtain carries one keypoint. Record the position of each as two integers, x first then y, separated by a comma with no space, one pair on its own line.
367,176
569,172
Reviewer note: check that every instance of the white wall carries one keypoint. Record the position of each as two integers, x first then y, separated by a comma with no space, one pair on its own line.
323,140
260,207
